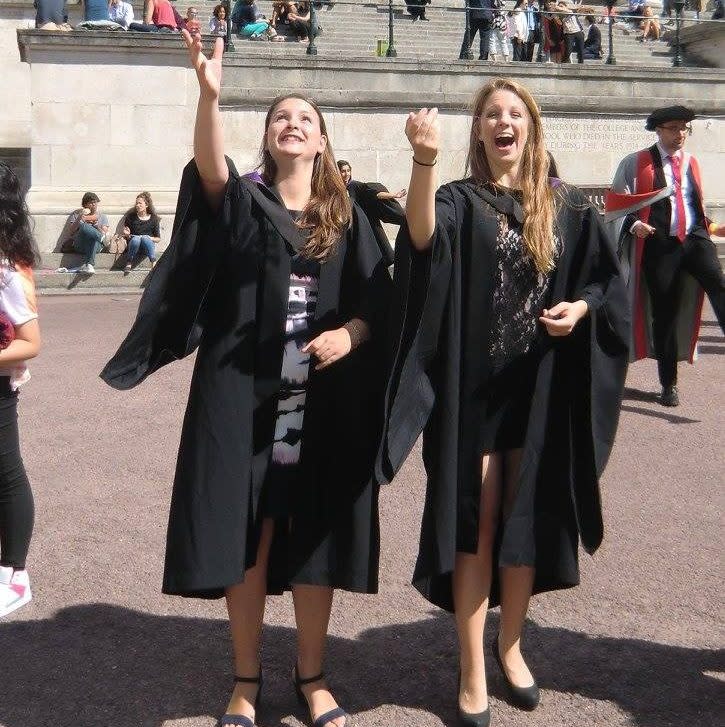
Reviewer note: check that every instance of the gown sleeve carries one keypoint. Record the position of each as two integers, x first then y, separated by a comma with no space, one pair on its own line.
420,294
168,323
375,287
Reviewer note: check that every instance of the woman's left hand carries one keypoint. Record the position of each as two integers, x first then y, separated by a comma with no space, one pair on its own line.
329,347
561,319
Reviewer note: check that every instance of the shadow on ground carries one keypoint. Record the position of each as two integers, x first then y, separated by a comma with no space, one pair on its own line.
104,665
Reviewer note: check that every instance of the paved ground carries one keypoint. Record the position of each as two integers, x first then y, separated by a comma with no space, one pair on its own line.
639,643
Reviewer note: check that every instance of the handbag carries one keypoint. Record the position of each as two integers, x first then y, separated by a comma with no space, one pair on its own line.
116,245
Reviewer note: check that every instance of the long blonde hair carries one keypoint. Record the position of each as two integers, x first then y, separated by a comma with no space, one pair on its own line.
538,197
328,212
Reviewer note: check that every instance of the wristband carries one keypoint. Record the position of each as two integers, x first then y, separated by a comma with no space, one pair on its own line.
358,331
423,164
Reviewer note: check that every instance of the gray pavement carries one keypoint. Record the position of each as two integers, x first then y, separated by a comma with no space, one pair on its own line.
639,643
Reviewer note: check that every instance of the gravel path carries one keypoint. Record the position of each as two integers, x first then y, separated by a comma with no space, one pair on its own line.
640,642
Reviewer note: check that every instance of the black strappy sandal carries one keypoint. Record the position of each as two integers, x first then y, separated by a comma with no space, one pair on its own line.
241,720
323,719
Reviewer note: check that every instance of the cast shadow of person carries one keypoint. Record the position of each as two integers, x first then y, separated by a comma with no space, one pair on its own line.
100,664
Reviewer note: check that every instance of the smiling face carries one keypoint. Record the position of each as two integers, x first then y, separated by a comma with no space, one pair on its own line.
504,129
294,131
346,173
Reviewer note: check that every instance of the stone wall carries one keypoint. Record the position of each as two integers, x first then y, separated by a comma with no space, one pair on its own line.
116,116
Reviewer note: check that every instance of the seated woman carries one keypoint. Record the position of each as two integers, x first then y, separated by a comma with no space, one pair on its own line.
299,21
280,12
142,229
593,42
158,17
250,22
650,26
218,21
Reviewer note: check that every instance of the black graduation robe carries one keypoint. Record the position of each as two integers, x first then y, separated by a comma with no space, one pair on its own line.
377,211
443,304
222,286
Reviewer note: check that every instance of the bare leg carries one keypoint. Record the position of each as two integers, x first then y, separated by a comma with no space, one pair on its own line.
516,585
313,605
245,605
471,586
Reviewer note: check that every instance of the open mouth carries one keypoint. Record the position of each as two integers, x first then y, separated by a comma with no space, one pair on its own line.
504,141
291,137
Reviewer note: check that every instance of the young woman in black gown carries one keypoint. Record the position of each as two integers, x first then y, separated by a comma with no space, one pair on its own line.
282,287
511,357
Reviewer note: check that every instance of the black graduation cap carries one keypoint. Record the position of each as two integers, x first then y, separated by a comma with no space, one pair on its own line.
669,113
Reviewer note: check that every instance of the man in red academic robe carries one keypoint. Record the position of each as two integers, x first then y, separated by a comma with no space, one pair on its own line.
665,242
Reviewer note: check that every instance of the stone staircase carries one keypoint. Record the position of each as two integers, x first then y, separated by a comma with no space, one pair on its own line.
352,30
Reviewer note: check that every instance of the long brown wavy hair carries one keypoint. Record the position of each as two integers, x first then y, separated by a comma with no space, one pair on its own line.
328,212
538,197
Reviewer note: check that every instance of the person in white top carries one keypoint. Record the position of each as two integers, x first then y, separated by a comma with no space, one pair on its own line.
120,12
667,246
19,311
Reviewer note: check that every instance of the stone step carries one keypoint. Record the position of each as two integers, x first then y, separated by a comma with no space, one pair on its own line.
50,280
104,261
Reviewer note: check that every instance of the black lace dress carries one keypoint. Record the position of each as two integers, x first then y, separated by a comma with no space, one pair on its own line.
520,295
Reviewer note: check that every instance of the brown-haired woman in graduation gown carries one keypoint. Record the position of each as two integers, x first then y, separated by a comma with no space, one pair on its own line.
511,356
282,288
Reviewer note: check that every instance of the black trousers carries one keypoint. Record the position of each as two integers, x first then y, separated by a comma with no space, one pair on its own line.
519,50
664,261
17,510
483,28
574,41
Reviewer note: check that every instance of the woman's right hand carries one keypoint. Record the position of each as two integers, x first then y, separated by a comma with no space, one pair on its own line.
423,132
208,70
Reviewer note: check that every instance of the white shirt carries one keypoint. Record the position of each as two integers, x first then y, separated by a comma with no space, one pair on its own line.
121,14
17,301
688,197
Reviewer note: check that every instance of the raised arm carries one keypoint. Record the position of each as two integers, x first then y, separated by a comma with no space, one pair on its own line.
423,132
208,132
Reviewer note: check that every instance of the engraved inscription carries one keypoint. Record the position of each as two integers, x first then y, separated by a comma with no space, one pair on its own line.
577,133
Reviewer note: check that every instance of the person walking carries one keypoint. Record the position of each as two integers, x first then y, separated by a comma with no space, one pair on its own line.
665,242
20,342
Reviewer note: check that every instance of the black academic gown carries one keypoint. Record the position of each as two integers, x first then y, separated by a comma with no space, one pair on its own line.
443,304
222,286
377,211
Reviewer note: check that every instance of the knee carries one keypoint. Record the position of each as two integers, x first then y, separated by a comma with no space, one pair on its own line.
487,534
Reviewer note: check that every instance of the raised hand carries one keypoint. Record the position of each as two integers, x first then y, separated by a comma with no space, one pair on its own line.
208,70
423,132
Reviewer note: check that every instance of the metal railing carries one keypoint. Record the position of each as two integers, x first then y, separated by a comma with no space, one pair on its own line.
466,53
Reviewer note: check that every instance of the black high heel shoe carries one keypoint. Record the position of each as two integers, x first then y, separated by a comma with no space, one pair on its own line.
468,719
323,719
241,720
522,697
